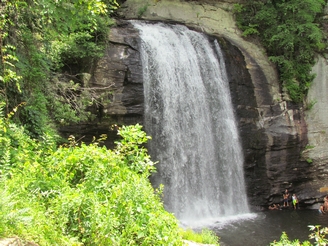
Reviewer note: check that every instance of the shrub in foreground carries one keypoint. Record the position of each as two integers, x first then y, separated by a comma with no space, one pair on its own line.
318,235
204,236
82,194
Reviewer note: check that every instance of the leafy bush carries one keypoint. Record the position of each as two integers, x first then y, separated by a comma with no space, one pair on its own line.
290,32
284,241
205,236
142,10
81,194
318,234
39,39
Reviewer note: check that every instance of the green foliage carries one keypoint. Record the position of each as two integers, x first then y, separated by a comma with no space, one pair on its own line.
41,38
81,194
35,115
291,35
74,48
284,241
317,234
142,10
309,146
206,236
310,105
5,144
31,222
71,101
135,157
17,146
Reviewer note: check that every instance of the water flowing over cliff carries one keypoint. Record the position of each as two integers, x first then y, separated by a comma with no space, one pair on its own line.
273,130
188,113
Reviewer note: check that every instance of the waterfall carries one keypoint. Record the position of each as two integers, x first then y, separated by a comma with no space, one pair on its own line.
189,115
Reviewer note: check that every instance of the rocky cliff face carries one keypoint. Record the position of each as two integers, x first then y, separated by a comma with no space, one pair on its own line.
274,131
120,72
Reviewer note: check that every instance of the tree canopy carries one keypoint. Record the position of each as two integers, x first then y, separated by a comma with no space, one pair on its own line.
43,38
291,33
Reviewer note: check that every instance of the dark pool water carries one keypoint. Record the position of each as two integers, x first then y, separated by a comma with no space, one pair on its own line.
262,228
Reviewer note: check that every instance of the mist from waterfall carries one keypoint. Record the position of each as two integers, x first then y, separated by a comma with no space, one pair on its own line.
189,115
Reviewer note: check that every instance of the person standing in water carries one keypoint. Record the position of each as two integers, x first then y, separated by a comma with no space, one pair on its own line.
286,197
295,201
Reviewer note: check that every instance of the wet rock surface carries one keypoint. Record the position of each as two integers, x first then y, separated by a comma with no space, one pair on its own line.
274,132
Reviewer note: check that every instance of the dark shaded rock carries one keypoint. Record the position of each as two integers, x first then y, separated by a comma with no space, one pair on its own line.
117,77
273,133
273,130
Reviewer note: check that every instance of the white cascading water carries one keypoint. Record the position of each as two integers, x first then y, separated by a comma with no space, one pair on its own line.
189,115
